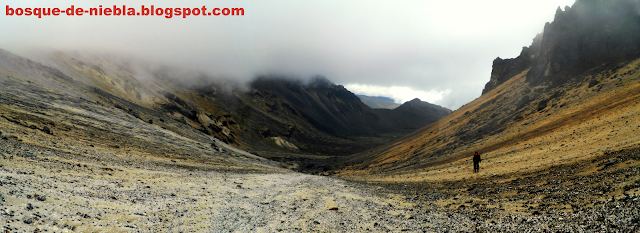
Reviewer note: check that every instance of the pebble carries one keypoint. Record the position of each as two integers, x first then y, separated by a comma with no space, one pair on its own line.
30,154
40,197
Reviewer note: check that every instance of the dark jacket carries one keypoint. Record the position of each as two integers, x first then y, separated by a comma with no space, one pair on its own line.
476,158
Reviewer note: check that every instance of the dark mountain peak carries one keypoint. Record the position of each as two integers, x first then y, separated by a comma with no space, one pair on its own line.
336,111
411,103
558,12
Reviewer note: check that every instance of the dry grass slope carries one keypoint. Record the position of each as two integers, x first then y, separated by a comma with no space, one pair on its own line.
577,123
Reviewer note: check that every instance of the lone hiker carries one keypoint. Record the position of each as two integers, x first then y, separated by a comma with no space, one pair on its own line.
476,162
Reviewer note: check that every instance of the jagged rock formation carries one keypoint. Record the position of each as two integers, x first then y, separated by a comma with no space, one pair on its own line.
590,34
504,69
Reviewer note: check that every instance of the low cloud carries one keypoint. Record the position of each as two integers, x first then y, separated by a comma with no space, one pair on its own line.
439,51
399,94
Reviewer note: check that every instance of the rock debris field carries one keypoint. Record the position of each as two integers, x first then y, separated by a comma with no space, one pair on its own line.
44,190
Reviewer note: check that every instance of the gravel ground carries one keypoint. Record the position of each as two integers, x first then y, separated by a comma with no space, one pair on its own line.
49,190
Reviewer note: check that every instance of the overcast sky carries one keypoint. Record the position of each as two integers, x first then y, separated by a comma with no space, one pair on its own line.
436,50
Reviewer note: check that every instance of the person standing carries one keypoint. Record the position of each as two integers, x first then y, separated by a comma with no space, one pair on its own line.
476,162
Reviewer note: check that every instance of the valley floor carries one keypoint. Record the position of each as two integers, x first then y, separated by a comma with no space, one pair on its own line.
55,191
45,189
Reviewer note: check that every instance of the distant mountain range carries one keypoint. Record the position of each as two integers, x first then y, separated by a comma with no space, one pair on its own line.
378,102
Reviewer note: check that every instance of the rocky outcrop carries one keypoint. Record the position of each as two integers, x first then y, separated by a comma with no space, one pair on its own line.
504,69
589,34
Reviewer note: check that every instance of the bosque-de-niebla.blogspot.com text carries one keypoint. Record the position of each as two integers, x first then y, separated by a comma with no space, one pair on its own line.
123,10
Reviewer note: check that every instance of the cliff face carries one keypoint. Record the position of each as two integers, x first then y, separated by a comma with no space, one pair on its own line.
589,34
504,69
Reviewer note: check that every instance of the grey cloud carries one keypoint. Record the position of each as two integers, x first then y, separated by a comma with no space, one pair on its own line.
425,45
